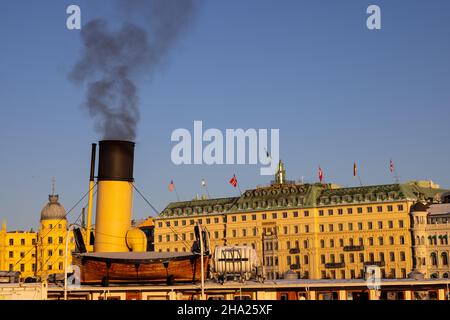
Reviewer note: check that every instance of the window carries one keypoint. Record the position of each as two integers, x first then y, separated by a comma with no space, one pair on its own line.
216,220
389,208
191,222
402,240
244,218
391,240
320,212
369,209
285,215
167,223
330,212
234,232
61,240
22,242
322,259
380,224
371,257
350,226
11,254
349,210
330,228
341,242
50,253
285,229
208,221
305,260
288,260
50,240
255,231
244,232
191,236
352,258
234,218
295,229
288,244
60,266
400,207
305,244
380,241
264,216
391,256
60,252
175,237
253,216
274,215
341,227
168,238
390,224
369,225
22,254
183,236
361,257
322,243
160,238
400,223
176,222
11,242
379,208
360,226
402,256
306,213
22,267
306,229
200,221
295,214
331,243
341,258
371,241
381,256
361,241
321,228
183,222
160,224
360,210
340,211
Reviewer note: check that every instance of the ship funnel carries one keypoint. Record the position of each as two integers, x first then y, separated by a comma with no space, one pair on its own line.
114,195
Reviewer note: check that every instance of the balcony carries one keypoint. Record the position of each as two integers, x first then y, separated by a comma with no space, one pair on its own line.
353,248
335,265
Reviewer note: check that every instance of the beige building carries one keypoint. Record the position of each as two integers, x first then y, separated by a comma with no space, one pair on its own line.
317,230
431,232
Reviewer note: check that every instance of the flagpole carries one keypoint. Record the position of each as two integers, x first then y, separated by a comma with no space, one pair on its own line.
176,193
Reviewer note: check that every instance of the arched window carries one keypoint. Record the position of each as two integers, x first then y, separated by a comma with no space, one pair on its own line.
444,258
433,259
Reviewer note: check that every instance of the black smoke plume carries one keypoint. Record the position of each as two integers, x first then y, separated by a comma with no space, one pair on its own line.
113,60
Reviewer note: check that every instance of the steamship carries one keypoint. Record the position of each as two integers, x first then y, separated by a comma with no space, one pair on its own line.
119,253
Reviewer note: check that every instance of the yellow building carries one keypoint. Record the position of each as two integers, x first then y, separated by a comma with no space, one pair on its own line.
317,230
37,253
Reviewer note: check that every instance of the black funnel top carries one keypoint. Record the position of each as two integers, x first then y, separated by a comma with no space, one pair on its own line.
116,159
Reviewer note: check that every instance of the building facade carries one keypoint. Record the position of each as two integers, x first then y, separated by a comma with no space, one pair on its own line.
431,230
320,231
41,253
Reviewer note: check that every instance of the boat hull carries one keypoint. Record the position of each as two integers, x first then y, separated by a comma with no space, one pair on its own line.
110,268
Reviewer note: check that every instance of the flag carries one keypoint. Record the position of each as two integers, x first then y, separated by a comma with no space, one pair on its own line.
320,174
171,186
233,181
203,183
354,169
391,166
268,155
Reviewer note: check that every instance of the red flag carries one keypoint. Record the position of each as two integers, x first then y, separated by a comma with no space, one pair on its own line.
233,181
391,166
171,186
354,169
320,174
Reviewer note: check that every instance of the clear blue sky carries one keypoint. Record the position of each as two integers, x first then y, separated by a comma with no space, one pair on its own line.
338,92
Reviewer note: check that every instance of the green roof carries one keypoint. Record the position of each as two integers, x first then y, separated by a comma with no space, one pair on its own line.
291,196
